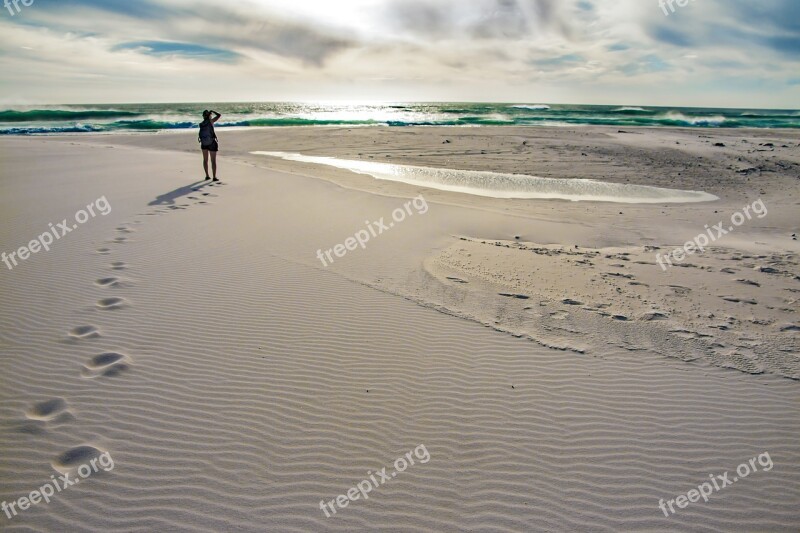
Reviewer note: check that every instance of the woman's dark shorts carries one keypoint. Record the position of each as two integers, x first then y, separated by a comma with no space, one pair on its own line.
213,147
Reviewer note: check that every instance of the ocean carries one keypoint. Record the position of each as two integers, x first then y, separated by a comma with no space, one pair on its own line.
42,120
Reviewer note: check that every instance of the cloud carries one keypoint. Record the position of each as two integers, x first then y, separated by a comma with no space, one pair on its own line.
476,19
142,9
251,31
583,50
773,25
568,59
231,30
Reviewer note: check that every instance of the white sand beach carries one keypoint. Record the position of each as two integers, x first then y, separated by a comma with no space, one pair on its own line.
557,377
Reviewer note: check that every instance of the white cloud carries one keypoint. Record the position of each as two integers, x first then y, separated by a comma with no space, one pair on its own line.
589,51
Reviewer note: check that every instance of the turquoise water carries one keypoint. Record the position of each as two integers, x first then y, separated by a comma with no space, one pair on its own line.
153,117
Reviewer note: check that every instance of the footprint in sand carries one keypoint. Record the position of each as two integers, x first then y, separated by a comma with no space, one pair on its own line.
107,282
107,364
123,229
680,291
50,412
73,459
103,251
84,332
559,315
570,301
118,265
112,303
654,315
456,280
120,240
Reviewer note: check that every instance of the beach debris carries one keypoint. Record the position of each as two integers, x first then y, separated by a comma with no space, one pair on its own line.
748,170
517,296
721,145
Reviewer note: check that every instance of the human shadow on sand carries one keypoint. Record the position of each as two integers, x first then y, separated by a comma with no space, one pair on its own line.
170,197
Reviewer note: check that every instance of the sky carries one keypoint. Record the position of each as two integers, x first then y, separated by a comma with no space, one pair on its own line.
708,53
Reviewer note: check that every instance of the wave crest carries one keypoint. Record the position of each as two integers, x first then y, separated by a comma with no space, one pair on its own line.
59,115
533,107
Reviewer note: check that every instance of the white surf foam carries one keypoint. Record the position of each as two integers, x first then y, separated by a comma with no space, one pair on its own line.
496,185
535,107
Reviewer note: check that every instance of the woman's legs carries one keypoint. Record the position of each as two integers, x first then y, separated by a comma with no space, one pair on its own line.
213,165
205,162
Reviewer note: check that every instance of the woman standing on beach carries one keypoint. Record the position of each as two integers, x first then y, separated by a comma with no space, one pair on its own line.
208,141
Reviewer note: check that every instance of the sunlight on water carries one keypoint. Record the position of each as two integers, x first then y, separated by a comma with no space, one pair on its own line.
496,185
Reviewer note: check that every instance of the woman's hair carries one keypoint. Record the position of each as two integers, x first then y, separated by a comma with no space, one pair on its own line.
206,114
